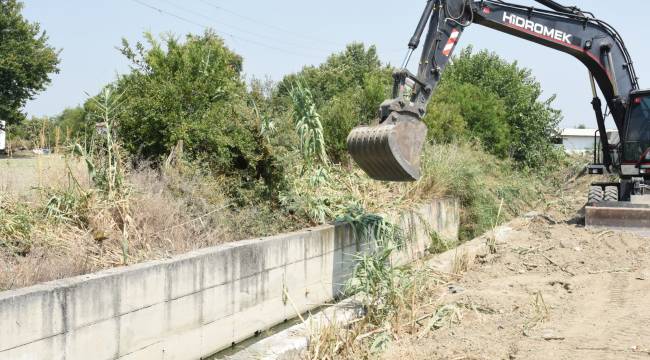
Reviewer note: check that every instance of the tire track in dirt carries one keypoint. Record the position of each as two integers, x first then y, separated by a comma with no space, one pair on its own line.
629,311
613,326
618,293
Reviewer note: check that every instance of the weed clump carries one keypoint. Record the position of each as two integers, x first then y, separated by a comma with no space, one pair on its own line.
481,182
16,224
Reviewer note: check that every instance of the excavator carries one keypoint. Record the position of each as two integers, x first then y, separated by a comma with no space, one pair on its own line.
390,149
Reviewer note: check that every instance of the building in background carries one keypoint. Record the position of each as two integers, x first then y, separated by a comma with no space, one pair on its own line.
577,140
583,140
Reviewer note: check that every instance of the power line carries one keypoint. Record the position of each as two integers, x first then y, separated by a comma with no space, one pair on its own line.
290,32
245,31
189,21
271,26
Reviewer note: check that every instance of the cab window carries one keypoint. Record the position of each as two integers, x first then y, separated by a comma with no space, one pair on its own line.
638,129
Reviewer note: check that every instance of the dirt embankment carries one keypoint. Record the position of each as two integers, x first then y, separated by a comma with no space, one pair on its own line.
553,290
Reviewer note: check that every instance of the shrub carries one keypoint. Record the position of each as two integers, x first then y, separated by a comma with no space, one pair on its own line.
192,92
480,181
466,111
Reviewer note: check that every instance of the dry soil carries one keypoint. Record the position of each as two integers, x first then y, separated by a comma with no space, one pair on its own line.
553,290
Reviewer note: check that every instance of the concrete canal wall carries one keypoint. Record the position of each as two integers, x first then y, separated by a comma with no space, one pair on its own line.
196,304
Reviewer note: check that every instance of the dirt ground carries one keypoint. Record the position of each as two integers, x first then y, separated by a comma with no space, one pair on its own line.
553,290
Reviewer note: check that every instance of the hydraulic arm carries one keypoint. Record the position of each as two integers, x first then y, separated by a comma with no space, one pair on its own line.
391,149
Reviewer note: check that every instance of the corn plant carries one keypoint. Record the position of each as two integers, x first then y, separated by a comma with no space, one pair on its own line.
106,165
267,124
382,288
308,125
305,199
69,205
373,228
104,158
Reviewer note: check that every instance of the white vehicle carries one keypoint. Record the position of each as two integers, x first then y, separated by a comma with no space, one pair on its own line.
3,137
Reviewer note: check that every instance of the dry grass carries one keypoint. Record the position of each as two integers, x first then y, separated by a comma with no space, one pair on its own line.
421,305
169,213
55,225
59,225
461,262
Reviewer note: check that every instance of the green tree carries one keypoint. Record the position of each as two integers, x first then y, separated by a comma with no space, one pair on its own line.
27,133
465,110
445,122
26,61
74,123
338,74
355,106
192,91
531,119
69,126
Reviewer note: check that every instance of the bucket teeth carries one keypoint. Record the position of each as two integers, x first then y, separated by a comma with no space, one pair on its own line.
389,152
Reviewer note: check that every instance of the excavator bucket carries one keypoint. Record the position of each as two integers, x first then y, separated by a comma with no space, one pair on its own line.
389,151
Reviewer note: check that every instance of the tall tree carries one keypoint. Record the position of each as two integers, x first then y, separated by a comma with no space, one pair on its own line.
26,61
191,90
532,120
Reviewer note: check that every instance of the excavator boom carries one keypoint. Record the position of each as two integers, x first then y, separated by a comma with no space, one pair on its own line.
390,149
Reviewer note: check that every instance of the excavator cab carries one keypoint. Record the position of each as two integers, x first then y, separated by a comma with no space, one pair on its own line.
636,148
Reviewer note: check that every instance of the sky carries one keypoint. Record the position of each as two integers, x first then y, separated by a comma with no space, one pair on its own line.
277,37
